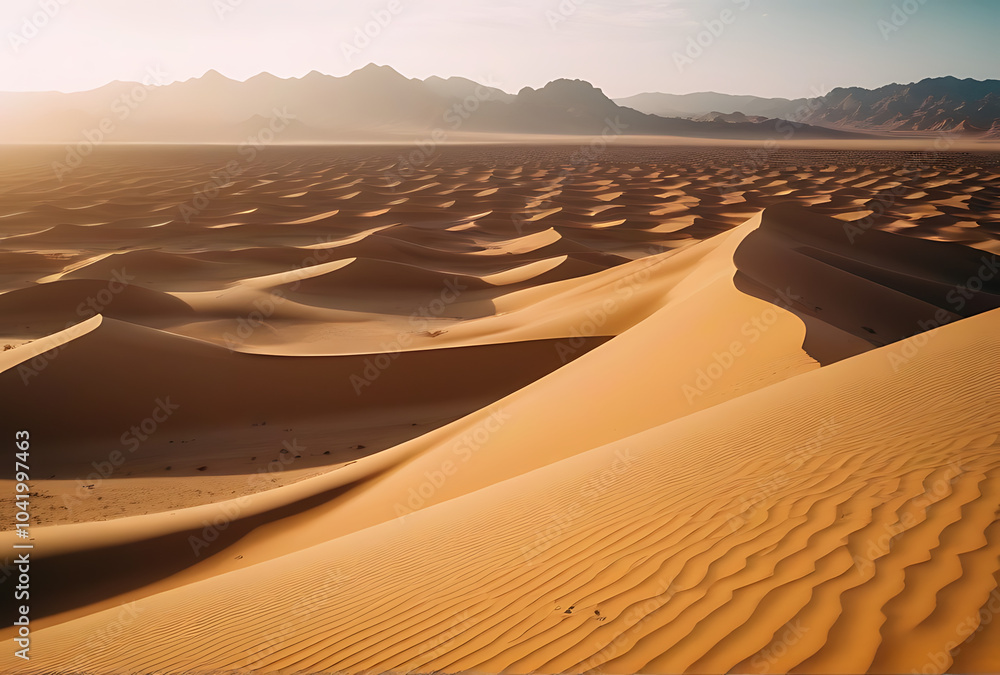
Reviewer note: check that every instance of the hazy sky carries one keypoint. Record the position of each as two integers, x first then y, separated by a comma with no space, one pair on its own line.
786,48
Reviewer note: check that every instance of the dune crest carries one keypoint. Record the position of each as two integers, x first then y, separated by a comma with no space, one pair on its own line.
605,561
647,413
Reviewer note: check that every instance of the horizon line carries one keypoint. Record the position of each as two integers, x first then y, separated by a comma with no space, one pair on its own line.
315,71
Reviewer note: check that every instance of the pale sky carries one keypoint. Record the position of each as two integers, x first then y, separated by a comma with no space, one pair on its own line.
789,48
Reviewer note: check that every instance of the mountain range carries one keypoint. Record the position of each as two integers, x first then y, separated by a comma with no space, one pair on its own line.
931,105
376,103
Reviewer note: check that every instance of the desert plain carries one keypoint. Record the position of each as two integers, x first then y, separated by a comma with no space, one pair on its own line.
523,408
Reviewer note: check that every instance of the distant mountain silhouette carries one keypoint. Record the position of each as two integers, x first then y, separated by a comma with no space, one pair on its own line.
716,116
704,103
374,103
933,104
460,87
577,107
938,104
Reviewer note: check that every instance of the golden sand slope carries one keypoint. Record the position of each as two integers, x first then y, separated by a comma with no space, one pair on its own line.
841,521
613,418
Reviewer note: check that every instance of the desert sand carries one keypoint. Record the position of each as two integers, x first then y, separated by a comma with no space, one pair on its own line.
695,408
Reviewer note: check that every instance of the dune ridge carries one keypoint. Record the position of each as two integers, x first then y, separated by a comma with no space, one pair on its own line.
854,485
649,413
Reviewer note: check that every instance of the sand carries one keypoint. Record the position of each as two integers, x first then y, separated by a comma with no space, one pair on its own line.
664,410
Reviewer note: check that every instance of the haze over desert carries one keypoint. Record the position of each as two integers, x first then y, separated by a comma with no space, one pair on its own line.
370,369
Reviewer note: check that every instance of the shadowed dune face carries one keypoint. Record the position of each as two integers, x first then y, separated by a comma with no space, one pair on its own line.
100,386
878,286
499,408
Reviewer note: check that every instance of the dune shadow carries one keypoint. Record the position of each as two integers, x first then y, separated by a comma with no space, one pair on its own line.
858,288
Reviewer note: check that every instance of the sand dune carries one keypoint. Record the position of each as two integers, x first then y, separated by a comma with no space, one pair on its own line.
211,388
48,307
656,413
786,550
